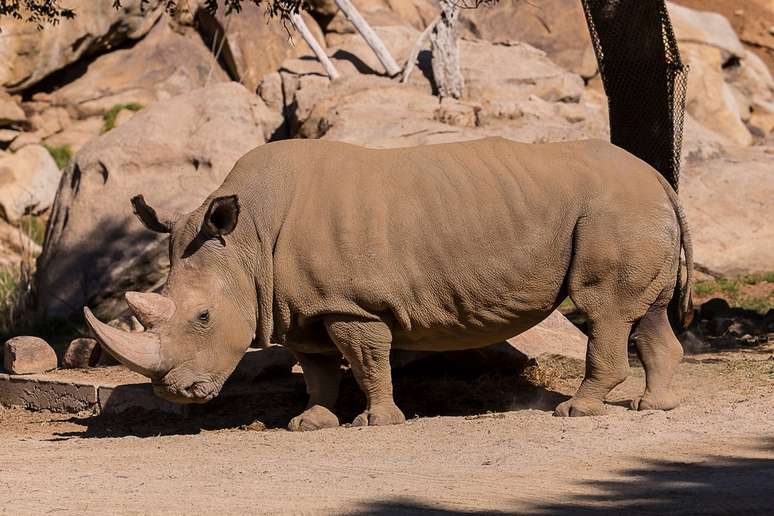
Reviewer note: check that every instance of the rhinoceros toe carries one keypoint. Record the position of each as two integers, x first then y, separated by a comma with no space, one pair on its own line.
380,416
313,418
576,407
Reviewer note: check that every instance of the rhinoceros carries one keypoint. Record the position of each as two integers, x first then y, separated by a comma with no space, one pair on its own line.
333,249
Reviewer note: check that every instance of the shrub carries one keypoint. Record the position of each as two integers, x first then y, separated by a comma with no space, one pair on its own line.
62,154
110,117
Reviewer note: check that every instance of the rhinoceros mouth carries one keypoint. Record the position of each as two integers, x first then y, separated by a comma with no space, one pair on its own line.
185,392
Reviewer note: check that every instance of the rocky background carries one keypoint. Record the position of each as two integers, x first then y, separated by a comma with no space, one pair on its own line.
121,102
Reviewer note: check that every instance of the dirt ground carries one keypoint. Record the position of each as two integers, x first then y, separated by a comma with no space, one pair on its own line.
474,446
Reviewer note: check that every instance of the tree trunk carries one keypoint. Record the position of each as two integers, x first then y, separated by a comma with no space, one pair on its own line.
368,34
414,55
300,25
446,54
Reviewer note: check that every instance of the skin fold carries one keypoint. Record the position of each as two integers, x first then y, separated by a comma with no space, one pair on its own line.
337,250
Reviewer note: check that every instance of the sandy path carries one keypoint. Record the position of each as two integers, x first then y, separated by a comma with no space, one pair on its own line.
714,454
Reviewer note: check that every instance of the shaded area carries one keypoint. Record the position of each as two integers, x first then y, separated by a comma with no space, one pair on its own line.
282,398
718,484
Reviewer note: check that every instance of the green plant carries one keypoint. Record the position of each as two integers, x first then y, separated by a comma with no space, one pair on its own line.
34,227
110,117
62,154
15,297
747,291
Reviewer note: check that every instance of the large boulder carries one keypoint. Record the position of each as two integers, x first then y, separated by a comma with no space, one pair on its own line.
557,27
529,98
28,181
11,113
705,28
556,335
163,65
710,99
725,80
522,71
728,202
554,340
175,152
415,13
409,115
28,55
254,45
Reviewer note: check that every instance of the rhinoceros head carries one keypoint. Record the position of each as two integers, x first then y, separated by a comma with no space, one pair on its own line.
199,326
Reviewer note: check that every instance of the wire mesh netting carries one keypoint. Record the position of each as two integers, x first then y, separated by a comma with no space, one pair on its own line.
644,78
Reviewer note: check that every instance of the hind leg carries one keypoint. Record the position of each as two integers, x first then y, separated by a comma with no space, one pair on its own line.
607,365
660,353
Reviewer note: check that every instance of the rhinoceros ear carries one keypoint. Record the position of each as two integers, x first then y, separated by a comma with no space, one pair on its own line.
221,217
148,216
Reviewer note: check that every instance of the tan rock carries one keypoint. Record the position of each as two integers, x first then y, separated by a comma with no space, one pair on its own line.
81,353
28,355
95,248
409,115
7,136
352,55
705,28
727,202
554,336
553,340
28,181
25,139
78,134
710,99
558,27
761,120
28,55
163,65
254,45
529,99
415,13
522,71
11,114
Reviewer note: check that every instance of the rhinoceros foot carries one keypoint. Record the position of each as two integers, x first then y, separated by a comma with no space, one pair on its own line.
380,415
313,418
580,407
661,401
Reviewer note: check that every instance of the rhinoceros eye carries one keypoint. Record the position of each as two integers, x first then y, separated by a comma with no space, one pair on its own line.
204,316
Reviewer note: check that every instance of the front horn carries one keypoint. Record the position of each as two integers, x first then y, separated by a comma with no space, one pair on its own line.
140,352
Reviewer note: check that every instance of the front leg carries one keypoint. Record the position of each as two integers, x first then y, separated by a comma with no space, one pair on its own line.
366,345
322,373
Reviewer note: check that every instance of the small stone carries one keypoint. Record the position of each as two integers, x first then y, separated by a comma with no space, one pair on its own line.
81,354
255,426
28,355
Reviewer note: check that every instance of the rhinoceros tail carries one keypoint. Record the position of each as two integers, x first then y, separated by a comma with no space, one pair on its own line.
681,305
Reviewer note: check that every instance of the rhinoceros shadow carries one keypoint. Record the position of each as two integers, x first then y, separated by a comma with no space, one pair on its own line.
274,401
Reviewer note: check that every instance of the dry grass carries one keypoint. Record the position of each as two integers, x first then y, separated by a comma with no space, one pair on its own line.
17,293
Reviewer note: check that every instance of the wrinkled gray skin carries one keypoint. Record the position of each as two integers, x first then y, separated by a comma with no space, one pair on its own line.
333,249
